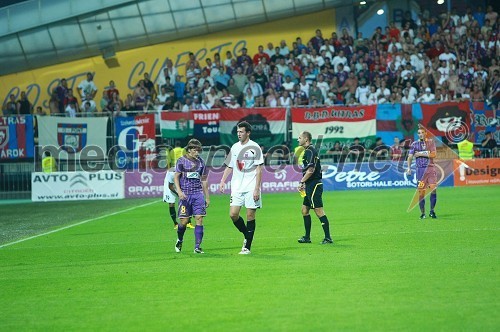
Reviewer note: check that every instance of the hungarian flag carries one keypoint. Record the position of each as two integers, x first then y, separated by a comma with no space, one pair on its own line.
268,125
176,124
449,119
336,123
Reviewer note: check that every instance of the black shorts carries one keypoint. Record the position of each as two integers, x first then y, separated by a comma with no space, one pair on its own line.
314,193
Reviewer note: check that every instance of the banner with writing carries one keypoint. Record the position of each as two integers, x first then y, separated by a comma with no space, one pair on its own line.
448,119
136,140
176,124
16,137
336,123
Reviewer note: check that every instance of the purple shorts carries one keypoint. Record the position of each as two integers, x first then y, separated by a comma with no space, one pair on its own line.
426,176
193,205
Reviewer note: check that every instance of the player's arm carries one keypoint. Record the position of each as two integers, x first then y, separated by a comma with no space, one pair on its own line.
226,173
258,182
177,177
204,184
408,162
171,186
309,172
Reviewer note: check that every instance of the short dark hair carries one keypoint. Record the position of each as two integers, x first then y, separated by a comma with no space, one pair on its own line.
246,125
307,135
193,144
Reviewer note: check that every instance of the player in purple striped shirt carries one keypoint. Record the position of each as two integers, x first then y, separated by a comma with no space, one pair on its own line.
424,151
192,186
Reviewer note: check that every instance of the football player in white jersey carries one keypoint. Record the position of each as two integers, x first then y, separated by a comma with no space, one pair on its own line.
169,196
245,161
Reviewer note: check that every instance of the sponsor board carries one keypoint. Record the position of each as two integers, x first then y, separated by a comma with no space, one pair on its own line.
144,184
76,186
477,172
379,175
277,180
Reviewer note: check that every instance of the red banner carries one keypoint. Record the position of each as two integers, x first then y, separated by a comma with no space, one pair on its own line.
450,119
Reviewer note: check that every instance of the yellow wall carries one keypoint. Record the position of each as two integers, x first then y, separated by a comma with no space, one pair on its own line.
134,63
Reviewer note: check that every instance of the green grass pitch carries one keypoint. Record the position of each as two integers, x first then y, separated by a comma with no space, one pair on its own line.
387,270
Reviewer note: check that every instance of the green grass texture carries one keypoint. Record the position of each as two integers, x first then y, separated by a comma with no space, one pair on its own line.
116,269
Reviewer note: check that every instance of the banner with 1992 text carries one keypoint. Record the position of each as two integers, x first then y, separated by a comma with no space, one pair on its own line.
336,123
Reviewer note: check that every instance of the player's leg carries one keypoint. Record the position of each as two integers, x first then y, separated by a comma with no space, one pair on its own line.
251,207
237,201
317,204
173,214
433,200
421,185
307,222
199,211
184,213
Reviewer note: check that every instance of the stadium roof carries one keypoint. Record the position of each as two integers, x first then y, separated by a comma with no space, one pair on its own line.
38,33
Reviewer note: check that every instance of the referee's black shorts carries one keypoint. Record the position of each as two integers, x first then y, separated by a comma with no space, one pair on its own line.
314,194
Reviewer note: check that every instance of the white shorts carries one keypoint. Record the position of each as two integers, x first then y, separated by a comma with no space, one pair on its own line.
168,196
246,198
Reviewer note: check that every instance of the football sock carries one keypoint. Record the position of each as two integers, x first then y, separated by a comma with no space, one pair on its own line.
172,214
421,203
250,233
198,234
326,226
240,225
433,200
307,225
180,232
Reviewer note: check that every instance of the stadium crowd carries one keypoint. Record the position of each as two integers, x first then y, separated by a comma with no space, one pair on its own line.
450,56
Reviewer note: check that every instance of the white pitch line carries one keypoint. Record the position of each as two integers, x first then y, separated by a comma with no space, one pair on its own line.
77,224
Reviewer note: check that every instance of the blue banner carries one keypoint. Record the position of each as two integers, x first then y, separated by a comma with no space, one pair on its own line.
16,137
378,175
136,140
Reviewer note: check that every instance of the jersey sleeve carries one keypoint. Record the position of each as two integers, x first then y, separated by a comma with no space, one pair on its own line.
179,166
308,159
229,159
259,160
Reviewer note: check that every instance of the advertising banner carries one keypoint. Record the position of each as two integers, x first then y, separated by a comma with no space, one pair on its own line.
379,175
144,184
274,180
136,139
268,125
73,136
16,137
448,119
176,124
76,186
336,123
477,172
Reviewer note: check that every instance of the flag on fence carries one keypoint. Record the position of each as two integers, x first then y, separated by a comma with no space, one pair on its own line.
136,138
176,124
268,125
484,121
16,137
449,119
337,123
398,120
72,135
206,126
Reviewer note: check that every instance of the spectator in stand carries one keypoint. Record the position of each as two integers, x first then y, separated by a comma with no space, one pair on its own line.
254,87
243,57
233,104
10,106
270,50
271,99
357,151
427,97
259,55
71,109
260,77
488,145
284,50
248,98
24,106
476,94
221,79
54,104
317,40
396,150
150,86
285,100
62,92
87,86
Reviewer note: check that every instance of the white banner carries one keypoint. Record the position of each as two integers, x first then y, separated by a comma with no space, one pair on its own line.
77,186
74,137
